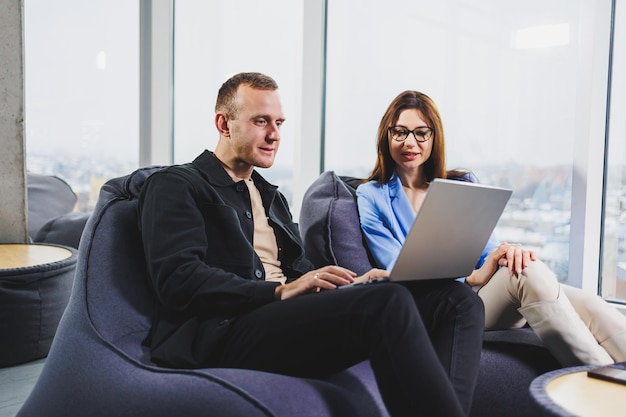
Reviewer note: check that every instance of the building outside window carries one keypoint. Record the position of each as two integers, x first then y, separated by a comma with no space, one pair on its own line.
81,91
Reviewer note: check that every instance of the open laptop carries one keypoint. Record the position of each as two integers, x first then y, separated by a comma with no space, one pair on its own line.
450,231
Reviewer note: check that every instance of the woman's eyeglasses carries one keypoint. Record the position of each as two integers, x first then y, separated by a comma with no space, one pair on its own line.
401,133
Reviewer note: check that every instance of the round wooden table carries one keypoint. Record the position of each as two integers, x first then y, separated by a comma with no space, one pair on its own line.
570,392
26,255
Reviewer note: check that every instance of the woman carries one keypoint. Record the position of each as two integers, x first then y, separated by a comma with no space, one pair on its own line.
516,288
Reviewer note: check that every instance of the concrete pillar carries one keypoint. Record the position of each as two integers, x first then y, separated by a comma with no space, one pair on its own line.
13,203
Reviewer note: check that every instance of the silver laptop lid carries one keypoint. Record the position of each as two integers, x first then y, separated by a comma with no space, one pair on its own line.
450,230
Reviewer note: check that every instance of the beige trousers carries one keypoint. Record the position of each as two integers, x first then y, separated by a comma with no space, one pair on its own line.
504,295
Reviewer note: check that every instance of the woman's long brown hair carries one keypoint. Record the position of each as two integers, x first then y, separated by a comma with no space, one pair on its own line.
435,166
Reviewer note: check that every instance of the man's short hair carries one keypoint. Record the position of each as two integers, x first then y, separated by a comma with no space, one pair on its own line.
226,96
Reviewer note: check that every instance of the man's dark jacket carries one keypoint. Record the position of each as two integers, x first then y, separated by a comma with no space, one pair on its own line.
197,230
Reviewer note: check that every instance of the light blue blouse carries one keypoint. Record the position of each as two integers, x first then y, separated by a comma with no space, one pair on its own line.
386,217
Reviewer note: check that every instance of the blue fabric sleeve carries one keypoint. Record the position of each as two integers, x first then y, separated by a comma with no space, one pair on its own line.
382,243
492,243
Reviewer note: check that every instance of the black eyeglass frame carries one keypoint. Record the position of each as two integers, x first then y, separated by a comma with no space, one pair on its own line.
427,131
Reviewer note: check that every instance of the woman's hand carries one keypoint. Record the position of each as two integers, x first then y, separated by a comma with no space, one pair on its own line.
327,278
515,257
511,255
372,274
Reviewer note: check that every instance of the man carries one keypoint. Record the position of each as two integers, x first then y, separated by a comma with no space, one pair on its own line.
234,288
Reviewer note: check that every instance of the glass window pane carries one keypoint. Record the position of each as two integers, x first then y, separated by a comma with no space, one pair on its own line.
82,91
215,40
613,283
504,77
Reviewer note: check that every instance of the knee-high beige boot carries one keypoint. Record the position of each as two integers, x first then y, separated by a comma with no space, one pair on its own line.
616,347
562,331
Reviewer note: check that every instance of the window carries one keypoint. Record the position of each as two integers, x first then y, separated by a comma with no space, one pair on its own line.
505,78
613,283
81,89
215,40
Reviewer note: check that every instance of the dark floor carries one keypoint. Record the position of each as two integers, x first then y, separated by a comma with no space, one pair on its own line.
16,383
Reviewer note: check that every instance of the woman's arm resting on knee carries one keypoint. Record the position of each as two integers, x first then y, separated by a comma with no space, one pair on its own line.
512,256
